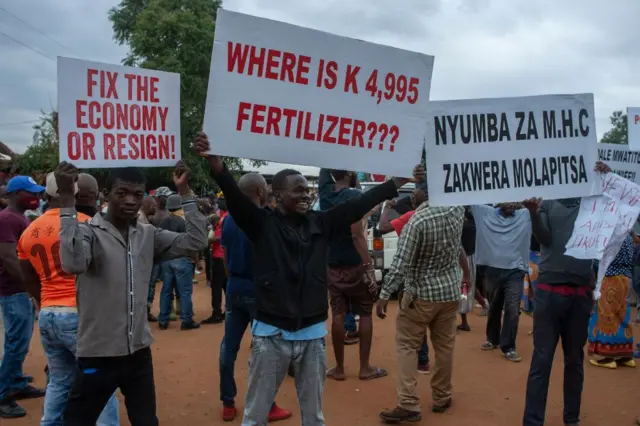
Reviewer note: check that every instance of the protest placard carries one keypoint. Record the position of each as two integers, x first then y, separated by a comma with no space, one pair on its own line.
633,128
483,151
623,162
285,93
116,116
604,221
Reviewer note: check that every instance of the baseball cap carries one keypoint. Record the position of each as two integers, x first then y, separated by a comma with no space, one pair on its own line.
52,186
23,183
163,191
174,202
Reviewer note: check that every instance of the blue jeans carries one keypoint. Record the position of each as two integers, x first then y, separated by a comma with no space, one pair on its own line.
240,311
423,353
178,273
59,336
155,276
18,316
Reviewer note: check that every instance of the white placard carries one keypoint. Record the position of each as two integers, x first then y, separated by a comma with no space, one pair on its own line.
289,94
115,116
483,151
623,162
633,128
604,222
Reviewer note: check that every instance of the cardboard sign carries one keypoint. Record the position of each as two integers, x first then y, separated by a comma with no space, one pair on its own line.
114,116
604,222
633,128
623,162
482,151
284,93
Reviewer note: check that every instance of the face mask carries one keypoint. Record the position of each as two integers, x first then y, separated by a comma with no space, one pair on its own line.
28,201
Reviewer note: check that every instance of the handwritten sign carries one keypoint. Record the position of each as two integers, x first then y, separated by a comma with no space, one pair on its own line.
116,116
285,93
604,222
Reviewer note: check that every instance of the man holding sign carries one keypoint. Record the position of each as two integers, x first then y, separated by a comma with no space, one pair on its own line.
291,283
113,256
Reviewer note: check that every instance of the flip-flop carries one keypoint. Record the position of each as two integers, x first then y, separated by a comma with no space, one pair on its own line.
331,374
377,374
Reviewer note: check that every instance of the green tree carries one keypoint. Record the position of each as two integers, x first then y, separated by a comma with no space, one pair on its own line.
174,36
618,133
42,155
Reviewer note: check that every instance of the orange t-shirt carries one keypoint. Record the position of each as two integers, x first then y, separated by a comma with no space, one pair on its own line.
40,245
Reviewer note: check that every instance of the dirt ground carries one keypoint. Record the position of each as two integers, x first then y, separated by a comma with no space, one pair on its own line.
488,390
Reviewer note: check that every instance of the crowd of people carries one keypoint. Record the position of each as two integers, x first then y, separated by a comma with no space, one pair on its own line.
88,267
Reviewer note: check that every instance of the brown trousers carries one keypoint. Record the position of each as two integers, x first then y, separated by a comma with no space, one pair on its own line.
411,324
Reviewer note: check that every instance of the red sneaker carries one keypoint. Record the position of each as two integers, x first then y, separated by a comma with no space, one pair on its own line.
278,413
229,413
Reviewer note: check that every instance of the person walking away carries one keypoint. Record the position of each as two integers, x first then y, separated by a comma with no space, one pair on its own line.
290,270
112,256
431,265
610,330
17,308
563,302
240,300
55,292
176,273
503,238
160,213
350,277
218,273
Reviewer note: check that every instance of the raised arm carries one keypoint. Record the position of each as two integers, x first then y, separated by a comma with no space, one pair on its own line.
539,220
248,216
76,239
171,245
325,185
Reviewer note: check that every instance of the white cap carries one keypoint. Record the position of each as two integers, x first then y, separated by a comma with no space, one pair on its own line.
52,186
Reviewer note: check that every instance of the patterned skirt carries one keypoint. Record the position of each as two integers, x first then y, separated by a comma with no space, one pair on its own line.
610,331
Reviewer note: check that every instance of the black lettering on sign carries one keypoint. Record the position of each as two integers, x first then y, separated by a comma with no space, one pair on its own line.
549,124
631,157
627,174
527,128
471,128
604,154
546,171
475,176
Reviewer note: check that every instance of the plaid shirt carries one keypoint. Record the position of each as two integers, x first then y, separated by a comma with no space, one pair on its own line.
427,259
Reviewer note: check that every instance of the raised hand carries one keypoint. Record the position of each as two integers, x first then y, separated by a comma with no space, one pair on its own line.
181,178
66,175
202,147
532,204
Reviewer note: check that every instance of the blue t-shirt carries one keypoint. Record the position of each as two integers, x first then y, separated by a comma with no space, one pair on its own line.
239,259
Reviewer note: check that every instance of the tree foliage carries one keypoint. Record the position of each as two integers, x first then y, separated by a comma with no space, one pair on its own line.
174,36
618,133
41,156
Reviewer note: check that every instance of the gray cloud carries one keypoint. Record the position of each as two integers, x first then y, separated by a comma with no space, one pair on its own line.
483,48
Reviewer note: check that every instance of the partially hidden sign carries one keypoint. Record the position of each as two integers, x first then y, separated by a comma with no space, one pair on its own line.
623,162
633,128
285,93
482,151
115,116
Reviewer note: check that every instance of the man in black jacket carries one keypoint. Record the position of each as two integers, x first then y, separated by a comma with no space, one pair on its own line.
290,272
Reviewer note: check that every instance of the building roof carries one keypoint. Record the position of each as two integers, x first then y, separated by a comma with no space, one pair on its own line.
272,168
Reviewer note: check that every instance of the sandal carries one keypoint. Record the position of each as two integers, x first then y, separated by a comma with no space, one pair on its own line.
350,339
377,374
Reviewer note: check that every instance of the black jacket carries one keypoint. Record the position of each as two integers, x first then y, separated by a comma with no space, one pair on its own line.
290,256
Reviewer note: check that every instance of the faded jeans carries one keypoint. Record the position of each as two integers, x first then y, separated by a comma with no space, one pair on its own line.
18,317
58,333
178,273
270,360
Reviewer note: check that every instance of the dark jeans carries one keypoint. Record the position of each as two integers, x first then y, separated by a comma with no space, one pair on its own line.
177,273
218,284
557,316
423,354
506,289
18,317
155,276
350,322
98,378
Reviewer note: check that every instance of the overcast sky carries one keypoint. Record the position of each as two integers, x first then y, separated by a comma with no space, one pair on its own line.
483,48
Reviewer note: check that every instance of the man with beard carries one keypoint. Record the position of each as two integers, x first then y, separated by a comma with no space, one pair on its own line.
55,292
17,308
290,275
112,256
